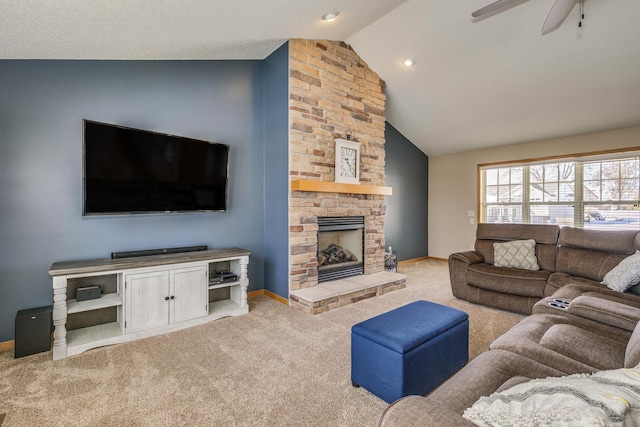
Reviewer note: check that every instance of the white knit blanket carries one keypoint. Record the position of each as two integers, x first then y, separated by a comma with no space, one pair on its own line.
606,398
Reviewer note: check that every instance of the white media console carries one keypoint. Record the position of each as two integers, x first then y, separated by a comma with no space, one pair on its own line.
144,296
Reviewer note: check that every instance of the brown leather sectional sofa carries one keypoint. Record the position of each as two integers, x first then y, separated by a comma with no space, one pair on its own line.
576,324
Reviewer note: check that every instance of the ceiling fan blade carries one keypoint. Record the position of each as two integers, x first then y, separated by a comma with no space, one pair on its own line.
558,13
493,6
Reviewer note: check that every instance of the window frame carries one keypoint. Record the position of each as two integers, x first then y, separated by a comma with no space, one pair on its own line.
578,203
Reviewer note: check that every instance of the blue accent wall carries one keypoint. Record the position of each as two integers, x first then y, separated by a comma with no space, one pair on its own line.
240,103
42,104
406,219
276,172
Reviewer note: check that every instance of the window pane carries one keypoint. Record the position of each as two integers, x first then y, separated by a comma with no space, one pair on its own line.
491,194
536,173
516,175
610,190
612,217
516,193
491,176
629,189
567,171
630,168
550,192
591,190
610,170
504,213
503,194
592,171
552,214
504,175
566,191
535,192
551,172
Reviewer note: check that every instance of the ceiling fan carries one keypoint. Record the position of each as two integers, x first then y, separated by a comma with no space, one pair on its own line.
558,13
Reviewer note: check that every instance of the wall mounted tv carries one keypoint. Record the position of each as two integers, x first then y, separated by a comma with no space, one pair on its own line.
129,171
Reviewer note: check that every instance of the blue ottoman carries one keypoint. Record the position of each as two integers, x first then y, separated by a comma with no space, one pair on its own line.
409,350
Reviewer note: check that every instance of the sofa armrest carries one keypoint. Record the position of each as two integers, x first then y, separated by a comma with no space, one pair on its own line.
468,257
413,411
458,263
605,311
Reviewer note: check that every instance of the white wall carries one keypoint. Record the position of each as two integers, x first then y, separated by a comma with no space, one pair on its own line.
453,186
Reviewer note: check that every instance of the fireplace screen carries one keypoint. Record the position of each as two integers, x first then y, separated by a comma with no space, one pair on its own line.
340,247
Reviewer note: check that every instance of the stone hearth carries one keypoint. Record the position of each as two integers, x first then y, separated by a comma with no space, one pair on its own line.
338,293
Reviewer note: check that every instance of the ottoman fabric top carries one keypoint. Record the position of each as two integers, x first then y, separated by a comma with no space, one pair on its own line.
409,326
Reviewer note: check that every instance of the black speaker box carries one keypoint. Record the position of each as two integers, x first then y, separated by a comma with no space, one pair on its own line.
160,251
33,331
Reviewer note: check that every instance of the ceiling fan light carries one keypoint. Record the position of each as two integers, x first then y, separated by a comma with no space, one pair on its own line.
330,17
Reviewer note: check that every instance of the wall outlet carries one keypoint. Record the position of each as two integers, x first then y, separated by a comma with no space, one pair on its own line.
472,221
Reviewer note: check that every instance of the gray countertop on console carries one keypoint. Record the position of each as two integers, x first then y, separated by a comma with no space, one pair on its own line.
106,264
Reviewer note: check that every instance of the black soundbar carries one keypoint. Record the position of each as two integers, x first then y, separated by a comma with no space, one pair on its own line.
163,251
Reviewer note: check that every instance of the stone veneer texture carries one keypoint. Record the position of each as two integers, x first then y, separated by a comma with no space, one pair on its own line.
332,91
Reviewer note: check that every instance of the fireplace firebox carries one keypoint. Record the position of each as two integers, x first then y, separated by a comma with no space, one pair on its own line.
340,247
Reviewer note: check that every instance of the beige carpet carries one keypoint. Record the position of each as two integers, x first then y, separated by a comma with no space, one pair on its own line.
273,366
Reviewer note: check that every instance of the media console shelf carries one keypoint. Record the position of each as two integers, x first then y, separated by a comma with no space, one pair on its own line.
144,296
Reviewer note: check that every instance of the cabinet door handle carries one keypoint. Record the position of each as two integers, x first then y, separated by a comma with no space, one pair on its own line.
166,298
172,296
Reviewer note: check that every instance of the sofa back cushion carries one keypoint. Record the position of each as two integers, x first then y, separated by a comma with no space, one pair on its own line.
593,253
545,235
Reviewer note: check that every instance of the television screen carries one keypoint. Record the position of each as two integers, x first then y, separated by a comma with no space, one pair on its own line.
136,171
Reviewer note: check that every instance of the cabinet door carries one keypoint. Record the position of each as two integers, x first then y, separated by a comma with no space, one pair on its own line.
147,300
189,293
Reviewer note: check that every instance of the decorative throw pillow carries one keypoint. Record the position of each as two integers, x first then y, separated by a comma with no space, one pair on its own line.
624,275
516,253
604,398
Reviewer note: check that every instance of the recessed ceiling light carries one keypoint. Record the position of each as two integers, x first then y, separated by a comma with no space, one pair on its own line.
408,62
330,17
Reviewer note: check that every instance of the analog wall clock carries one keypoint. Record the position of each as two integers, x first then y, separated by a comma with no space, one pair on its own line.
347,162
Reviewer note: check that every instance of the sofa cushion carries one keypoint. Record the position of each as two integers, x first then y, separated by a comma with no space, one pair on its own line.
624,275
541,233
609,241
603,398
590,348
517,254
593,253
565,286
606,311
545,235
586,263
526,339
578,285
485,374
514,281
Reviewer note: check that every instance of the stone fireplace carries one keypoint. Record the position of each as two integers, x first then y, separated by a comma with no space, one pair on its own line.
332,93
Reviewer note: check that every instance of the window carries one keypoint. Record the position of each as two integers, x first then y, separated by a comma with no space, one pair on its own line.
590,192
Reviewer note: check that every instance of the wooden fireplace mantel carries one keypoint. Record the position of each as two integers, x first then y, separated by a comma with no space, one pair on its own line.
335,187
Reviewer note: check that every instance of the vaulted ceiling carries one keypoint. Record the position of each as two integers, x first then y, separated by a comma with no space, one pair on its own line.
476,82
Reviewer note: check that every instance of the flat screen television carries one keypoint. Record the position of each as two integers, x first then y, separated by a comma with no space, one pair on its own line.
129,171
